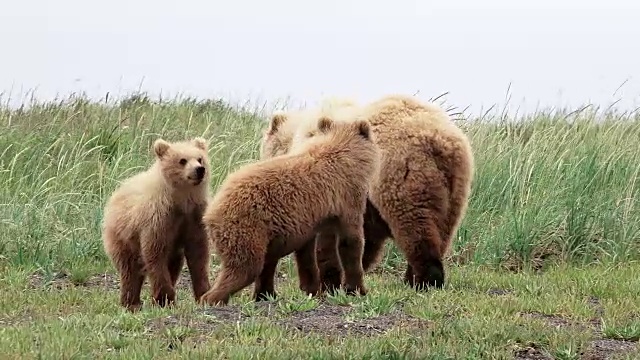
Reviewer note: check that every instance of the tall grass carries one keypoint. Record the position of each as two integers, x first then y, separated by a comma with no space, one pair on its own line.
555,185
550,185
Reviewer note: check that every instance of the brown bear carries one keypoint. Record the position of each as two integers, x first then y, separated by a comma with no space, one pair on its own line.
154,220
420,194
269,209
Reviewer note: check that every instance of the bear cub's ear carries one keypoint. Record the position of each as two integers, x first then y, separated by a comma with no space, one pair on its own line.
160,147
200,143
274,124
325,124
364,128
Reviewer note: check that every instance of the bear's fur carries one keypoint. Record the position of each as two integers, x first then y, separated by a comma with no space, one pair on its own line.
420,194
268,209
282,126
154,220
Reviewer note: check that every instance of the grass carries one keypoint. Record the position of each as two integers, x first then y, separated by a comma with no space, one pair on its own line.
545,263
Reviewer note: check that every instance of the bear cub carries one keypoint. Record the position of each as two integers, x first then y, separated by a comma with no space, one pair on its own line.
154,220
271,208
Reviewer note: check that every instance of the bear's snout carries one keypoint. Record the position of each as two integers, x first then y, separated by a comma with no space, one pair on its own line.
200,172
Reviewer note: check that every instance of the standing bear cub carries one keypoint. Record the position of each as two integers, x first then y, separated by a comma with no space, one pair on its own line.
268,209
153,221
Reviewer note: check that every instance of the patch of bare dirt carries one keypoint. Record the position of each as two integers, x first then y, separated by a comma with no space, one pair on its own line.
196,329
200,328
498,292
594,302
531,352
329,320
108,281
62,280
105,281
553,320
58,281
16,320
558,321
197,324
599,348
603,349
234,313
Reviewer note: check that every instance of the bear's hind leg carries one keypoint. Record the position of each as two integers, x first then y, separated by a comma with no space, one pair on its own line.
157,268
424,265
350,249
130,288
176,261
328,260
264,284
232,279
131,280
376,232
308,272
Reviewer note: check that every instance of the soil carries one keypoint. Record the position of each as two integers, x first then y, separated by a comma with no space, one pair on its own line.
597,349
605,348
498,292
328,320
107,281
532,352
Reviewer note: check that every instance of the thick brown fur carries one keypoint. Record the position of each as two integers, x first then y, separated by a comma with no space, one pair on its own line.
269,209
154,220
420,194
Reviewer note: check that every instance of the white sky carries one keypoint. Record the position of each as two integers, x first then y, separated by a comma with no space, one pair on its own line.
560,52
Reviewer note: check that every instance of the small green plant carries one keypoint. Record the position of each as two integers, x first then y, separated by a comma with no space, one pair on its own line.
306,303
79,275
175,335
382,304
629,331
567,352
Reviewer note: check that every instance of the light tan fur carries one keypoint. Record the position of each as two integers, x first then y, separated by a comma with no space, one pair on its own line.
153,221
421,192
286,123
268,209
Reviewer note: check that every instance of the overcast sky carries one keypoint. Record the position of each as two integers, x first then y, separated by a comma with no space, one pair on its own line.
560,52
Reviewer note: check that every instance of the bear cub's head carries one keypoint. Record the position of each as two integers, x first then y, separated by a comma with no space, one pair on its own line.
326,126
183,164
328,130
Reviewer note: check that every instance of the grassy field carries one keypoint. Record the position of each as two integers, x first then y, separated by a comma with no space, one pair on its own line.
545,264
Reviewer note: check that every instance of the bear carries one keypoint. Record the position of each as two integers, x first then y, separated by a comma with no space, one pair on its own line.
153,221
420,194
268,209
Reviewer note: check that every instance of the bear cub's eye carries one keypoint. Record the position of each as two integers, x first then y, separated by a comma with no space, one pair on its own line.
183,161
200,161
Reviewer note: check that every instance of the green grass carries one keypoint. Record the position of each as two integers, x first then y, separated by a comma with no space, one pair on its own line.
545,260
